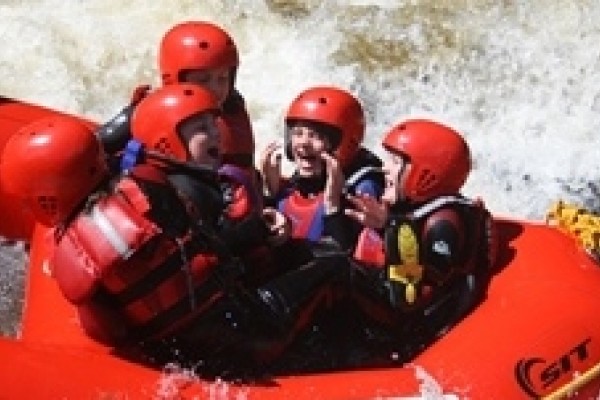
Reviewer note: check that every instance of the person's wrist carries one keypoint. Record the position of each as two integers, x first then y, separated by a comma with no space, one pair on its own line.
331,208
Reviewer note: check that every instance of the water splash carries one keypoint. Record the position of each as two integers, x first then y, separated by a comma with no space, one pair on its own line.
175,379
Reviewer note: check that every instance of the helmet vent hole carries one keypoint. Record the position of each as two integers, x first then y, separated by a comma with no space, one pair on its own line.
163,146
426,180
48,204
322,100
203,45
188,92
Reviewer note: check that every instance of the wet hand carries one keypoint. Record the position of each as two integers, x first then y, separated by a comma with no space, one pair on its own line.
334,185
368,211
270,168
278,224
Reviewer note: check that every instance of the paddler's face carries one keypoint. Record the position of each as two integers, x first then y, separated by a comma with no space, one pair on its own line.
395,170
200,135
307,145
217,80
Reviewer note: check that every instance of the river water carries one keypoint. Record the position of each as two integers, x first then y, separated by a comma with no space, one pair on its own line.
520,79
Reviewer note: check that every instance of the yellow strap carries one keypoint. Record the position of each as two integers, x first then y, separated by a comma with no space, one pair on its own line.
410,271
577,383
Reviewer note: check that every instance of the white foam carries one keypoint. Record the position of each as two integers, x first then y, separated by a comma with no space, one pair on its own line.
526,96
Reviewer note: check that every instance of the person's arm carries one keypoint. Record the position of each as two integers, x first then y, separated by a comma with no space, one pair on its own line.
336,225
115,133
270,170
342,229
242,235
237,133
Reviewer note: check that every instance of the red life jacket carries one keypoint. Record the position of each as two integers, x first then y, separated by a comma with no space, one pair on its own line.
133,250
305,214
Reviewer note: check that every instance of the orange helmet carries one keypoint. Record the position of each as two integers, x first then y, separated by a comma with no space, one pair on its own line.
53,164
439,156
195,45
336,108
156,118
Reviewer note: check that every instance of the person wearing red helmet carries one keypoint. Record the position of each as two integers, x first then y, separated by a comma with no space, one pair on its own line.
201,53
52,165
324,126
167,121
151,255
422,262
435,253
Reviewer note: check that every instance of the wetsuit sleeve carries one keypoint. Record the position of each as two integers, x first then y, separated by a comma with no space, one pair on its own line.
342,229
115,133
244,234
236,133
273,200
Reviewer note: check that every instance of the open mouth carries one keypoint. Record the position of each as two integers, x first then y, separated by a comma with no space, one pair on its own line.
310,158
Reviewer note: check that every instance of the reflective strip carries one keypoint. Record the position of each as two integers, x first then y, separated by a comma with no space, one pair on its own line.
440,202
110,233
360,174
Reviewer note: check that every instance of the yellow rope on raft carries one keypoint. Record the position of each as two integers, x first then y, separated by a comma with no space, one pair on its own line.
577,383
579,222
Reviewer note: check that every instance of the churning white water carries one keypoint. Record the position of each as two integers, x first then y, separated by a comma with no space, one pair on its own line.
520,79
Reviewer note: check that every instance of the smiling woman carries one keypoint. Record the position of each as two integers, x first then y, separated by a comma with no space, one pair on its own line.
307,141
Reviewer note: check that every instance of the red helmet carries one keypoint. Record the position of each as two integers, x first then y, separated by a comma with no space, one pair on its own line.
53,164
195,45
334,107
156,118
439,156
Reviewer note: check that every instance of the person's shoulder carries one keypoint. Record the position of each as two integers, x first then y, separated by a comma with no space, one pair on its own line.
368,157
364,158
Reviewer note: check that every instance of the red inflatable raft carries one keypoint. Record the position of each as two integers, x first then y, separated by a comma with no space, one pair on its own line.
536,335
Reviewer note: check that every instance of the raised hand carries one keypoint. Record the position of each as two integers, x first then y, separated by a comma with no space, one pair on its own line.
270,168
278,225
334,185
368,211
